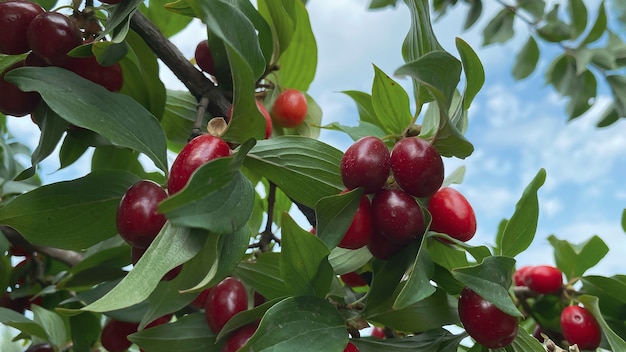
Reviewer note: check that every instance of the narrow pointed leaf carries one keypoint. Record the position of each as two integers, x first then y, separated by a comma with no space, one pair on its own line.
334,216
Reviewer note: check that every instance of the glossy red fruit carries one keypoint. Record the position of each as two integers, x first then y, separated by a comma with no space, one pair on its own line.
110,77
40,347
138,221
452,214
353,279
378,332
417,167
160,321
200,300
196,153
258,299
268,119
239,338
350,347
361,229
484,322
114,336
204,58
518,276
13,101
580,327
383,248
543,279
52,35
136,253
15,17
366,164
226,299
397,216
289,109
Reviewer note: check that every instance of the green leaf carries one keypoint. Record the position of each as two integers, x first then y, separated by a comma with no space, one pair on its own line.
555,32
347,260
364,106
521,227
334,215
189,333
599,26
578,16
179,116
417,287
167,23
304,168
263,275
624,219
52,129
296,324
609,291
476,9
526,60
85,329
52,323
474,72
618,88
491,280
279,15
608,117
390,103
108,112
71,150
18,321
562,74
574,260
172,247
582,94
500,28
591,303
524,342
364,129
57,215
304,265
435,340
534,7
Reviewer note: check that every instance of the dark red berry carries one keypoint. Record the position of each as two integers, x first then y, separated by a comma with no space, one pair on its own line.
518,276
350,347
160,321
361,228
378,332
580,327
452,214
383,248
114,336
226,299
196,153
353,279
40,347
52,35
13,101
366,164
397,216
258,299
289,109
268,119
543,279
110,77
15,17
417,167
204,58
138,221
200,300
239,338
484,322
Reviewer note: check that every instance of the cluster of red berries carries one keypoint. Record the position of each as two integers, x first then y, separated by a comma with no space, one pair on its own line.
114,335
394,217
48,36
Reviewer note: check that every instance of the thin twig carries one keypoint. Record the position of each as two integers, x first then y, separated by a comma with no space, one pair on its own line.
68,257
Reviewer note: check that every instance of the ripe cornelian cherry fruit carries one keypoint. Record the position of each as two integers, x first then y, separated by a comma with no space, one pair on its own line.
204,58
114,336
484,322
580,327
239,338
383,248
196,153
13,101
200,300
417,167
452,214
15,17
518,275
353,279
366,164
226,299
543,279
398,216
350,347
52,35
289,109
361,228
138,221
378,332
110,77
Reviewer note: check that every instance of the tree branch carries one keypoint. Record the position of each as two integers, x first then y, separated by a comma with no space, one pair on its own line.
68,257
197,83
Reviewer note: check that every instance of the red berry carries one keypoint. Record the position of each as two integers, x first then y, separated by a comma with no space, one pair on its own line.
417,167
361,228
110,77
353,279
196,153
12,100
398,216
18,251
289,109
258,299
239,338
40,347
200,300
15,17
114,336
452,214
226,299
580,327
138,221
366,164
543,279
136,253
350,347
518,276
268,119
203,57
52,35
484,322
383,248
378,332
160,321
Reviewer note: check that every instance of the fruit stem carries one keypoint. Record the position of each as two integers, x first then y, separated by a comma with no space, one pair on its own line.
200,110
267,236
68,257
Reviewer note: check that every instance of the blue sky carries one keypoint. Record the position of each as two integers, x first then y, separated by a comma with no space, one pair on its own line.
516,127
